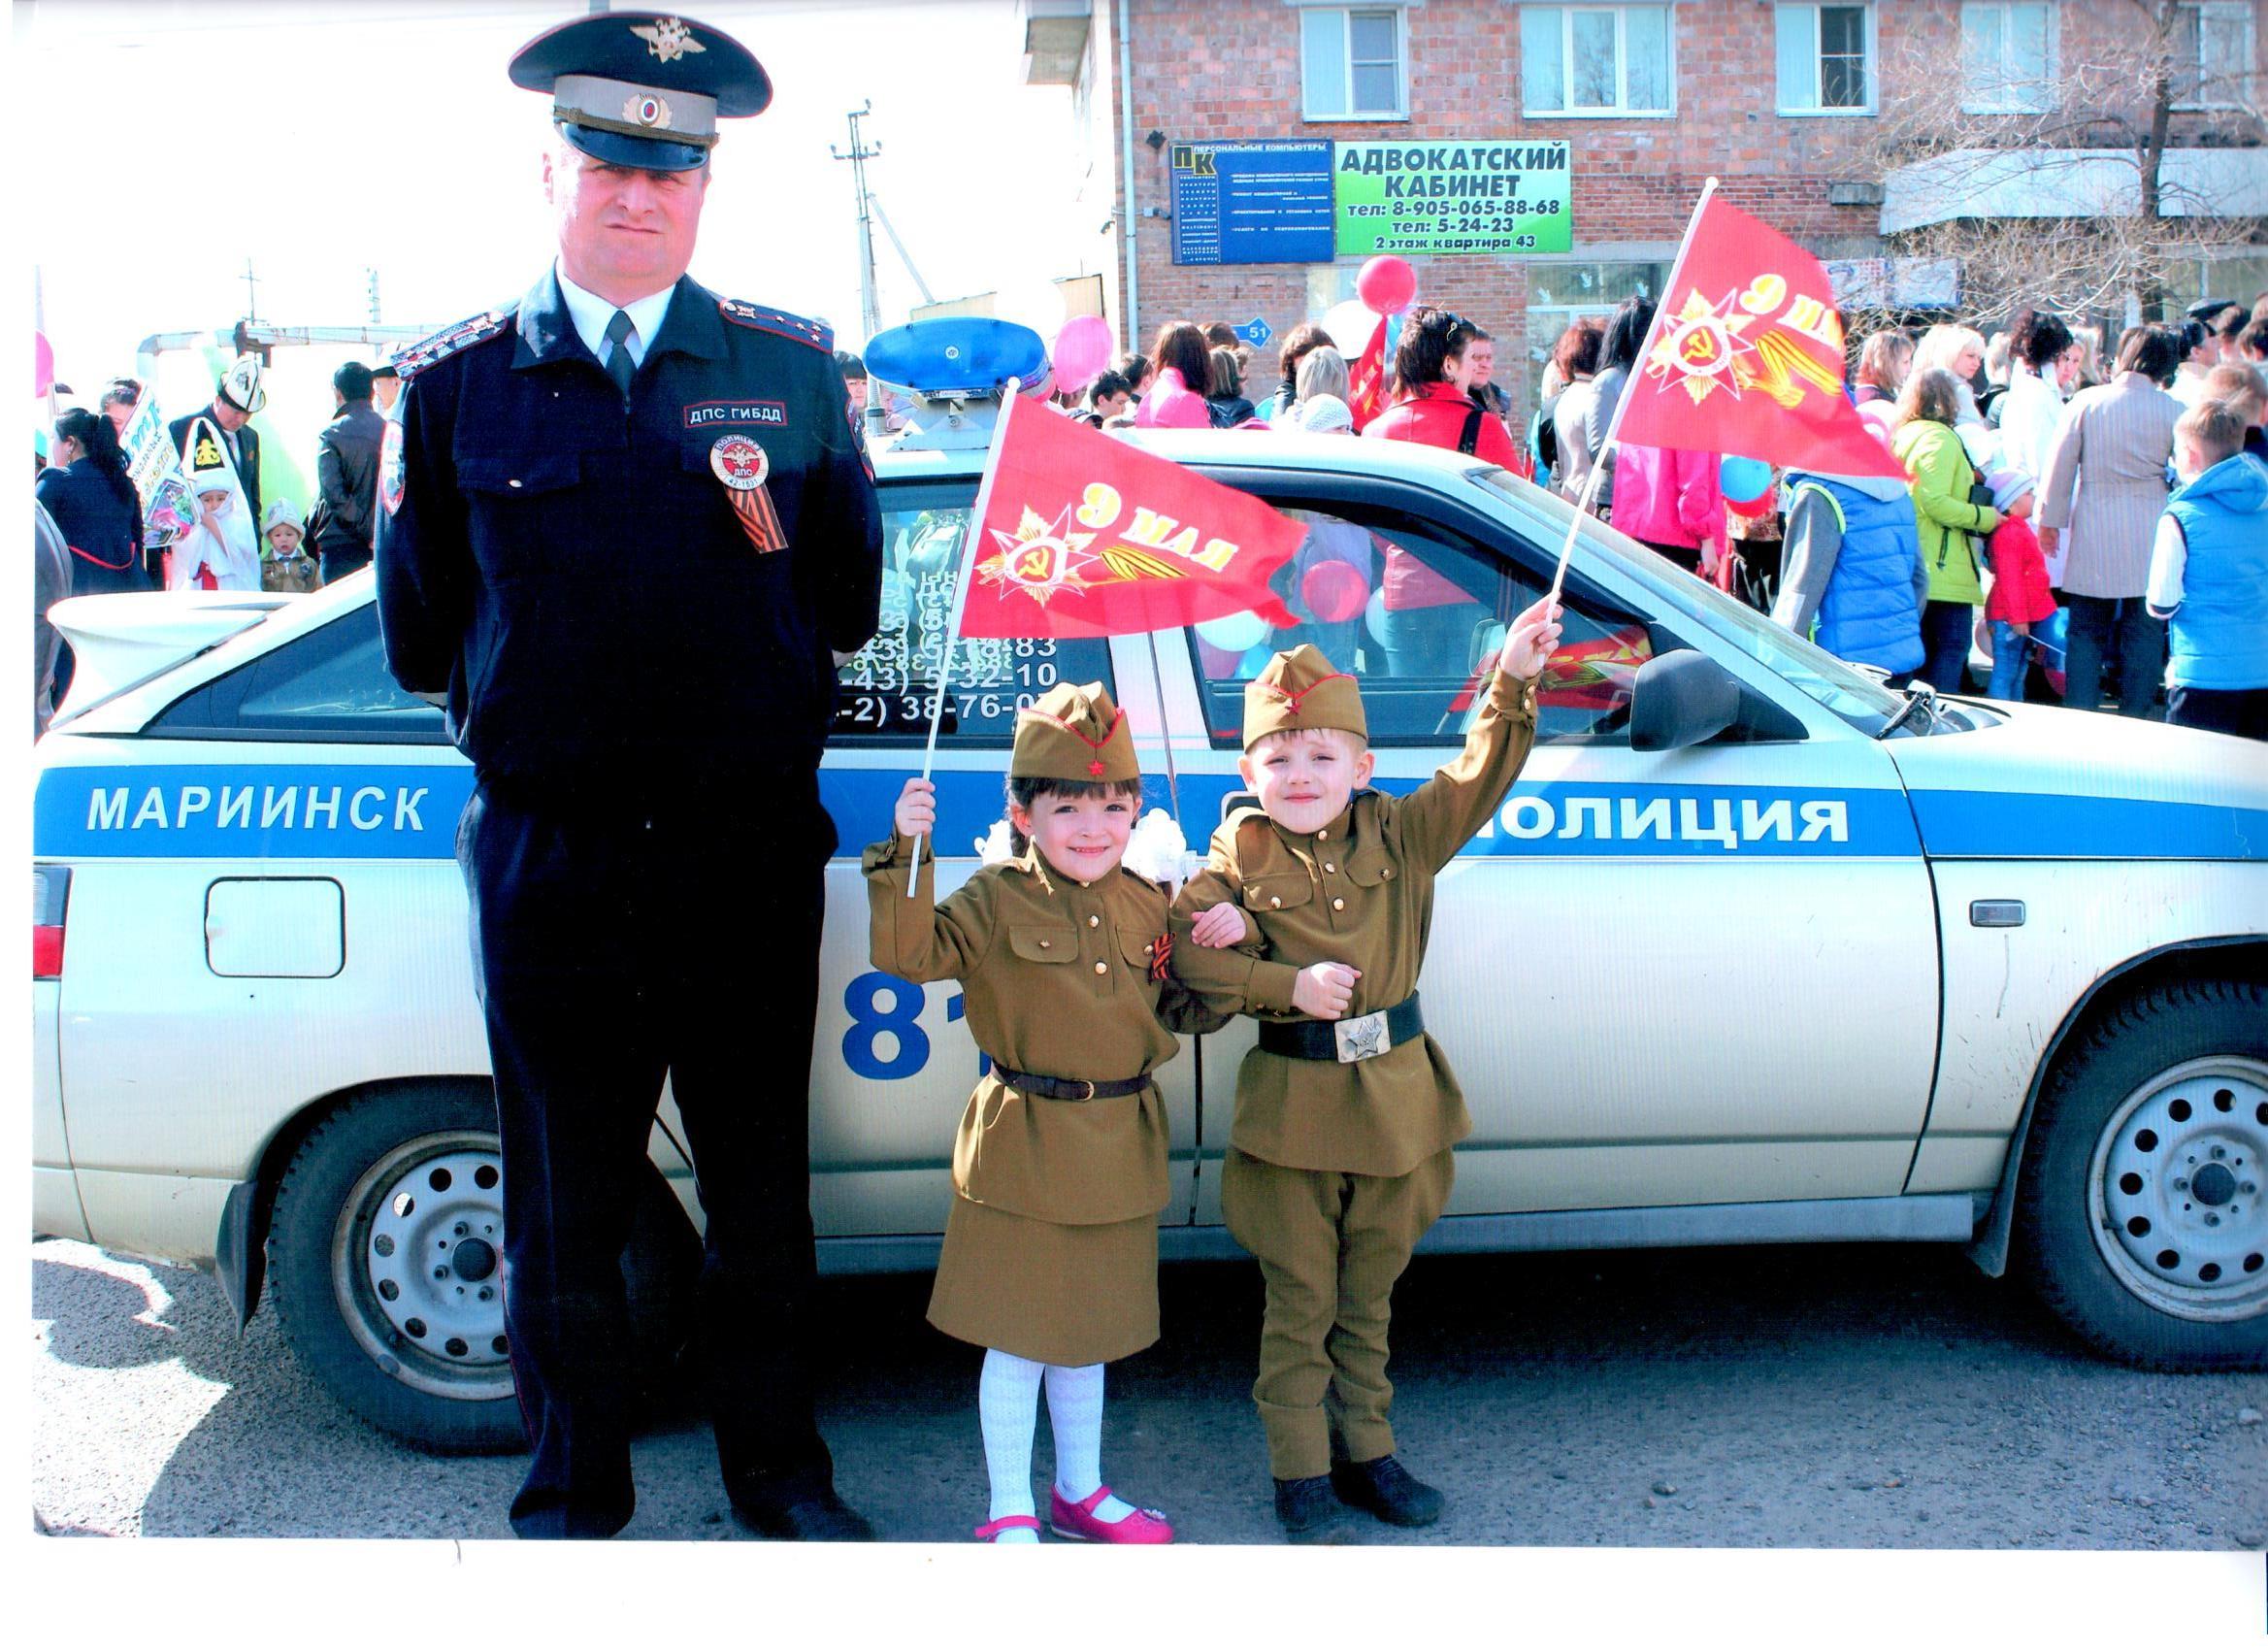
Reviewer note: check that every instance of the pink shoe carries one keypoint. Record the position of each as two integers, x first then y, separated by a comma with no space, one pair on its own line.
1144,1527
1013,1521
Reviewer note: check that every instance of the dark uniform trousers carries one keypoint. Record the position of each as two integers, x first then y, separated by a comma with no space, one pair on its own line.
1331,1248
615,940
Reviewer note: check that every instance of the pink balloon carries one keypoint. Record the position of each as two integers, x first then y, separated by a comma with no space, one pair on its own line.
43,363
1082,349
1334,591
1388,284
1220,663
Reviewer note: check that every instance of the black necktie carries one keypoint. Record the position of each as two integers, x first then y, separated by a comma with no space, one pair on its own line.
619,366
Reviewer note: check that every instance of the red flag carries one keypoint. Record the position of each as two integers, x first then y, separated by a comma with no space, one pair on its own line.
1367,380
1081,534
1747,356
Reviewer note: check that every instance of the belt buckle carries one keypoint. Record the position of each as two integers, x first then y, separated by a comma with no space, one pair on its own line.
1362,1038
1090,1082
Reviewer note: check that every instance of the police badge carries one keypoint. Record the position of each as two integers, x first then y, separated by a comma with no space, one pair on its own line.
743,466
390,467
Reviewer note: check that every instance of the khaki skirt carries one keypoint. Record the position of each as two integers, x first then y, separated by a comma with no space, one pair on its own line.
1064,1295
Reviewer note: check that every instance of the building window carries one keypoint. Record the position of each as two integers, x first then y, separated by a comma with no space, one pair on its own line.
2008,58
1827,59
1351,63
2211,48
1593,60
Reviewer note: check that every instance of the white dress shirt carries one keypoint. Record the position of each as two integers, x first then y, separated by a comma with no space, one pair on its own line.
591,313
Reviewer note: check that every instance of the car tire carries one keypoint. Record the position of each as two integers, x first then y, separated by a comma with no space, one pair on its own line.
418,1352
2143,1201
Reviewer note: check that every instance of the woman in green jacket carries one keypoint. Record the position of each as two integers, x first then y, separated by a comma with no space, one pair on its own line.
1939,476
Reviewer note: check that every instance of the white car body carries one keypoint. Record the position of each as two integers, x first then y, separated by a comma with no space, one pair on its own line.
1728,992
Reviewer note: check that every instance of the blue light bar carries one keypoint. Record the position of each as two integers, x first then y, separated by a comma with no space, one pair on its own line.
956,355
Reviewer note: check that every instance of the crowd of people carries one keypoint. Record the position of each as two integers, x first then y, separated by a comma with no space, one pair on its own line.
86,501
2048,518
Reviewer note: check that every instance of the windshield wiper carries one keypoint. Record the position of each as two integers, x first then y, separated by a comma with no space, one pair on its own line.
1919,695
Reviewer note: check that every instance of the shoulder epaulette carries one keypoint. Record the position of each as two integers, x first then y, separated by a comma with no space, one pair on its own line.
440,345
1147,884
780,323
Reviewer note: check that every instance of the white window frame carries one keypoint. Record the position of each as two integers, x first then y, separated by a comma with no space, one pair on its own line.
2229,11
1618,111
2003,103
1401,51
1783,17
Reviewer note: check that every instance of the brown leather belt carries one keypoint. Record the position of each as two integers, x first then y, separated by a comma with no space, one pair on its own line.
1067,1088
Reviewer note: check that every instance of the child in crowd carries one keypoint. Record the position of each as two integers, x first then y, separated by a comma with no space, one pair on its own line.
2020,597
1050,1258
285,568
1339,1156
219,551
2209,576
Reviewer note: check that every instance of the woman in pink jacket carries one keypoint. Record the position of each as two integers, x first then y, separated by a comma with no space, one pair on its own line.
1669,501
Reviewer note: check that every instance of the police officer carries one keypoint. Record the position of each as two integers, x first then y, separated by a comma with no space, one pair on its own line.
625,525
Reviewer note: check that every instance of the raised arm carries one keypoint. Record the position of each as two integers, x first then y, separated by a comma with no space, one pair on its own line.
1442,815
917,939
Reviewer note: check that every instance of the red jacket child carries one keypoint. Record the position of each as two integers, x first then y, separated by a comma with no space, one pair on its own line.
2019,593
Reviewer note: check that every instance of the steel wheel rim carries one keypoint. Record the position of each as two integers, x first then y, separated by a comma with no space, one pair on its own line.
417,1266
2178,1190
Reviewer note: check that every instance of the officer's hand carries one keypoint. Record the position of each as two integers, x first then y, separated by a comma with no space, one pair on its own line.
1532,641
1324,990
1220,926
917,808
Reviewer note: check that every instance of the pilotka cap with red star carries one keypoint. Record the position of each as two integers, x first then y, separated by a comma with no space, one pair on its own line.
1074,732
643,88
1301,689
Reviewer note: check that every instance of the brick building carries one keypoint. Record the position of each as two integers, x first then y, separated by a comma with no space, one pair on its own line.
1790,106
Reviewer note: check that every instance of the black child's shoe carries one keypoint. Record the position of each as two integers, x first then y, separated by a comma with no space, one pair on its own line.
1306,1508
1385,1487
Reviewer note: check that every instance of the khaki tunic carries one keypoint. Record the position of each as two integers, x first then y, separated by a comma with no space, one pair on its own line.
1358,892
1051,1245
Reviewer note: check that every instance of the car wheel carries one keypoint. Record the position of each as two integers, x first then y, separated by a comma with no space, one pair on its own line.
385,1245
2144,1196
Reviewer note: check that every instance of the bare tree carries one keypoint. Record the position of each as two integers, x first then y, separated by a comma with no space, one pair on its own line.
2095,133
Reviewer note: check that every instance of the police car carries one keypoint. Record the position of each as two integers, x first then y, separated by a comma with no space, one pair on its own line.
1757,950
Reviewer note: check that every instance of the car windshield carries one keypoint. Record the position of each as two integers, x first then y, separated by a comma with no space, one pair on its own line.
1851,694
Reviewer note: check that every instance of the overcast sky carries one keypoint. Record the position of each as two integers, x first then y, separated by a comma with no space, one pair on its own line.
176,139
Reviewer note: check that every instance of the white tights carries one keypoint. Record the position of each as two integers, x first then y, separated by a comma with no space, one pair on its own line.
1008,1403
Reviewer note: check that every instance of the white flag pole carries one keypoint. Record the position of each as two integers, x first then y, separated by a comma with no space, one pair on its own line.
1165,729
1622,403
968,550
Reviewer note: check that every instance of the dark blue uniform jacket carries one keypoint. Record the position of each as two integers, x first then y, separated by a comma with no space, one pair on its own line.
573,572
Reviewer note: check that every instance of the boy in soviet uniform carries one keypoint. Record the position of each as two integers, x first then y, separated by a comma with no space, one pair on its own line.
1312,915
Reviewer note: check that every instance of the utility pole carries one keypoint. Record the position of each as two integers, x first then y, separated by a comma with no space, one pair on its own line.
869,313
252,293
373,295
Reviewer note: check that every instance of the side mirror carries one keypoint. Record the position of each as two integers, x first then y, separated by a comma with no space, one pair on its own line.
1681,698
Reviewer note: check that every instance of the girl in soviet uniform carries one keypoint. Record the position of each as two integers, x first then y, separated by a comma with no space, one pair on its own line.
1050,1260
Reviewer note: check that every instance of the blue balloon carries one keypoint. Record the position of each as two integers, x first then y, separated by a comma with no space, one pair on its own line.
1742,479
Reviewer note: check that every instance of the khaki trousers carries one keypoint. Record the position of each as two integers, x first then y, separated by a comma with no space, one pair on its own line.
1329,1247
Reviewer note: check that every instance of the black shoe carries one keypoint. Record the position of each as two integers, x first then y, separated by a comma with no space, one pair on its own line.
819,1516
1306,1509
1385,1487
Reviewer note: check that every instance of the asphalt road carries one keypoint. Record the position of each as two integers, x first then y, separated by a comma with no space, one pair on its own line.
1837,1397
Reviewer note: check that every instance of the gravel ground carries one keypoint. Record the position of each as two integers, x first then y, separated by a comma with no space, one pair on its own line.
1834,1396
